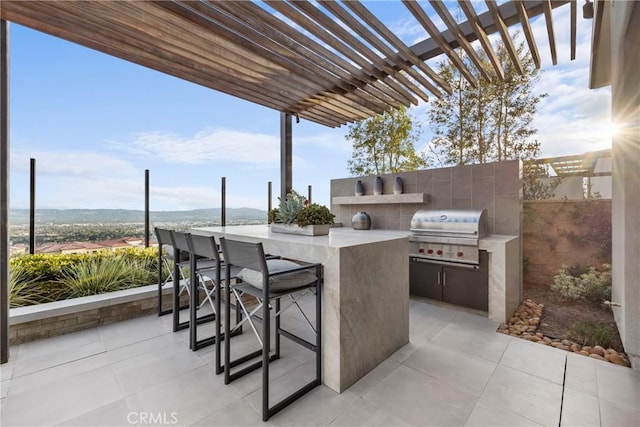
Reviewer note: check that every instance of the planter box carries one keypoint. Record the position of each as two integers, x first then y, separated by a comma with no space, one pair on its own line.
307,230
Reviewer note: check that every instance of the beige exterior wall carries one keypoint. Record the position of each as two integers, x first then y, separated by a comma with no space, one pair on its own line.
625,81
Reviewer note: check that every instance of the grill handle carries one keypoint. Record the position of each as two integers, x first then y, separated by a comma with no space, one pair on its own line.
446,263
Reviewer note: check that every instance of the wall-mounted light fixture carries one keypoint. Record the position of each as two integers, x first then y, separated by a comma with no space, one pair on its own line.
587,10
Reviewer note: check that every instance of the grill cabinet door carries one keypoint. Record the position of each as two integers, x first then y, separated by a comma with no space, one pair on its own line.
424,279
466,286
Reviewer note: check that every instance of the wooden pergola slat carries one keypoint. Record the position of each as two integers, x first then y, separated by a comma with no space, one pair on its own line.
402,48
472,19
400,93
366,90
528,33
376,42
433,31
504,34
451,24
546,6
574,14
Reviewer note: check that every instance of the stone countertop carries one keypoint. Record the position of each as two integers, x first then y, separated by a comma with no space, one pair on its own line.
338,237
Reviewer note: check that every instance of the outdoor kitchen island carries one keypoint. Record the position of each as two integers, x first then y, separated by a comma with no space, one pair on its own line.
365,295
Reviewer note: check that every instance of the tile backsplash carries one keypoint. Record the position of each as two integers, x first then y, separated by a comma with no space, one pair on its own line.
496,187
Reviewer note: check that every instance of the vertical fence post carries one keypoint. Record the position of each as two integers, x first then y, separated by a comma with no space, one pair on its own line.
309,194
146,208
32,207
4,191
269,195
223,209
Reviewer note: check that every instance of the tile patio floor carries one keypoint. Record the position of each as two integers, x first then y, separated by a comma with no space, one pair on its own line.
455,371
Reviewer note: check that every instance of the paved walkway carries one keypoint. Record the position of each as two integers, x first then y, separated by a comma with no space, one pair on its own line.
456,371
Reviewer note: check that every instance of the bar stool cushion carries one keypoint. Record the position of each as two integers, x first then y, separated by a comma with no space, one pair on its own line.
281,282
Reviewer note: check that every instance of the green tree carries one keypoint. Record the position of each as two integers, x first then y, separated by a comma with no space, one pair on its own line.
491,122
384,144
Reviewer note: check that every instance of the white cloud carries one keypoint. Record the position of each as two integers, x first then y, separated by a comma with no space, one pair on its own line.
220,145
74,163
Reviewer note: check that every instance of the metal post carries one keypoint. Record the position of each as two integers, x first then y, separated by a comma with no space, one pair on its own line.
269,196
223,209
146,208
4,191
309,194
32,208
286,154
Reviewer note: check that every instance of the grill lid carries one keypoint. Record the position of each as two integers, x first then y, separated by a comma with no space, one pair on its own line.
461,223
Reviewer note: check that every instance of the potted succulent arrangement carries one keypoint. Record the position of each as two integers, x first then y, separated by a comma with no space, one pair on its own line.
297,216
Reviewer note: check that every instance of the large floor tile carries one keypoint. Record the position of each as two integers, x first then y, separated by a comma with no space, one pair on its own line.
618,384
56,356
60,372
188,398
150,345
362,414
132,331
319,407
545,362
146,370
485,414
457,337
4,389
238,413
423,327
455,367
580,374
63,399
116,414
365,384
421,400
616,415
59,344
526,395
579,409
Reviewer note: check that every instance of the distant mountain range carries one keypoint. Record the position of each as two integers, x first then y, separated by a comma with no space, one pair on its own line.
109,216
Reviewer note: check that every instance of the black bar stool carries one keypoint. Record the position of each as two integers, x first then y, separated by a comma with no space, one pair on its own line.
269,280
167,255
206,247
181,246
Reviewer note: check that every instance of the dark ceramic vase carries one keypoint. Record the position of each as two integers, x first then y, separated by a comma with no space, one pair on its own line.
359,188
361,221
377,186
398,186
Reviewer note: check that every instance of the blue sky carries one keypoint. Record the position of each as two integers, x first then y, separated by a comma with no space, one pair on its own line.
94,123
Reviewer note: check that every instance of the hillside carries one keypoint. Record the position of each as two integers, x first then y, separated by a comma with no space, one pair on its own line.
126,216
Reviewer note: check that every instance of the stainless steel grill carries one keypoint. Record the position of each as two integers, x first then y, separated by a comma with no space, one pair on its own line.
448,235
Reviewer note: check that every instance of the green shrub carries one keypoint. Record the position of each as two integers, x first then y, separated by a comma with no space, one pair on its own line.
567,285
591,333
59,276
314,214
593,286
100,275
23,288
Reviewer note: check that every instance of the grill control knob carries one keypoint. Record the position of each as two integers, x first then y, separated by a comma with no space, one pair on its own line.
439,252
429,251
459,254
420,250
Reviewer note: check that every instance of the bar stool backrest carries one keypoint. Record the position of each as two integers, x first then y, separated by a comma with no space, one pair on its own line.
164,239
244,255
203,246
179,240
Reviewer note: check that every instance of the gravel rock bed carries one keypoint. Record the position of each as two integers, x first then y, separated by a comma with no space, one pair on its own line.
524,324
